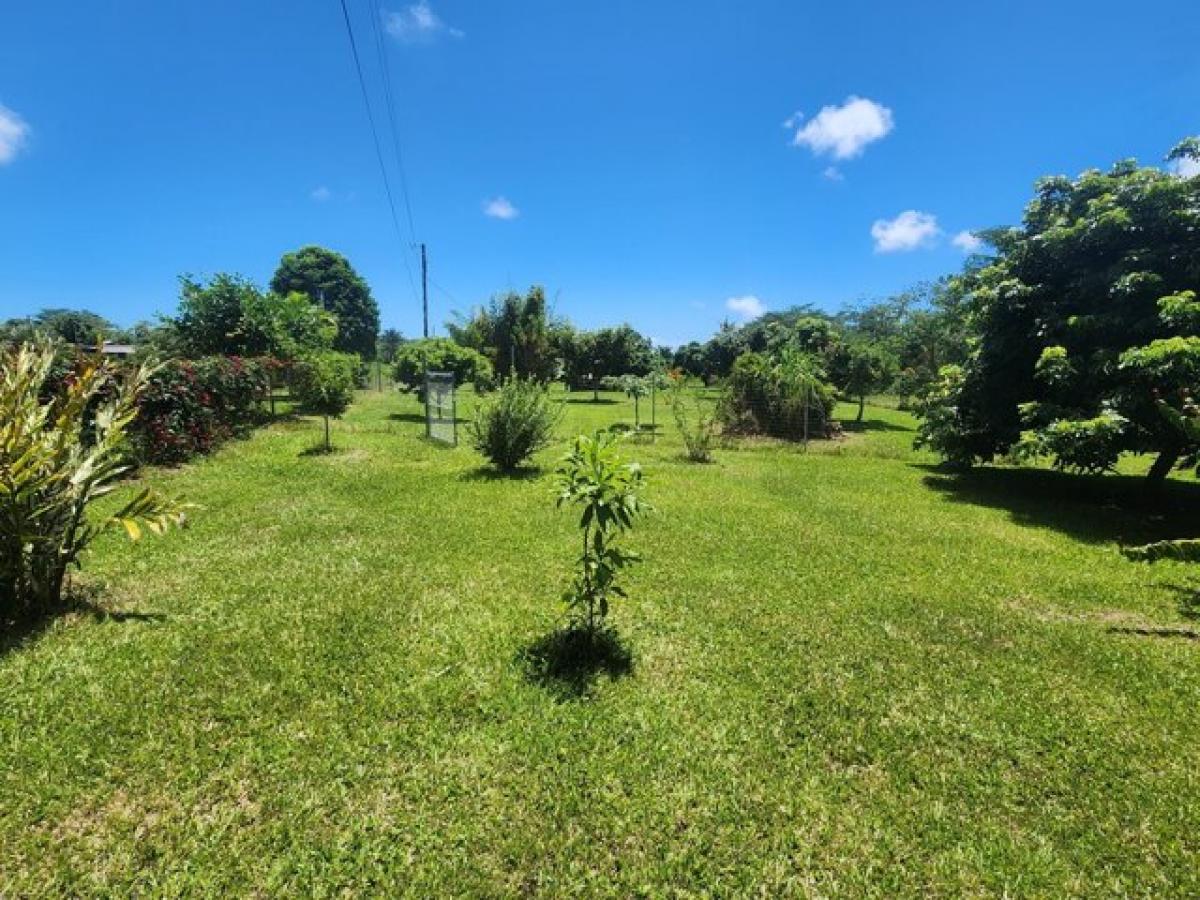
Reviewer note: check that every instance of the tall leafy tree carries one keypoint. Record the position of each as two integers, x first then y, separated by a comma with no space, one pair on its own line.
1086,319
389,342
515,332
330,281
859,368
689,359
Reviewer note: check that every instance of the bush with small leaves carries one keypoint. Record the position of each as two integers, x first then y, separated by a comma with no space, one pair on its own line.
514,423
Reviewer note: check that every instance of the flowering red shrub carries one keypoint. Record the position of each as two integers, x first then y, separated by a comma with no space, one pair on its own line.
189,407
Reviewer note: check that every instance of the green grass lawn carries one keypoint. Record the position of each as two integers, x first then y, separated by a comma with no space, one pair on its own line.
852,674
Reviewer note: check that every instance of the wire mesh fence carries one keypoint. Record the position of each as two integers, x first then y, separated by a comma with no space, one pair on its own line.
441,411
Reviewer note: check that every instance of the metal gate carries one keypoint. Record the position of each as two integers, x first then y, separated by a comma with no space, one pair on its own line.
441,420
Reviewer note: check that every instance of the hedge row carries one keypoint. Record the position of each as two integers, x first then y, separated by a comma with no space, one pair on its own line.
189,407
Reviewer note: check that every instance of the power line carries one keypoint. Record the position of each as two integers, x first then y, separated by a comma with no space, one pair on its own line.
387,185
385,68
449,296
375,13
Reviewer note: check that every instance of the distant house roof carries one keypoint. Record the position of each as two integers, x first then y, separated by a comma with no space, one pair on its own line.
108,348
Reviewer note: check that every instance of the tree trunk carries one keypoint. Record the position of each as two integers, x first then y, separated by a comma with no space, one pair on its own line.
1162,466
862,402
328,446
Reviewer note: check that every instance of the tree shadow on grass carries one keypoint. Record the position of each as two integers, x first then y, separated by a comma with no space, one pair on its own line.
79,600
320,450
1188,594
419,418
850,426
570,660
490,473
588,401
1089,508
1186,634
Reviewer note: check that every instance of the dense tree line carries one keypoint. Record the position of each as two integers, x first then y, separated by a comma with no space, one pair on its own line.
522,338
73,326
316,301
896,344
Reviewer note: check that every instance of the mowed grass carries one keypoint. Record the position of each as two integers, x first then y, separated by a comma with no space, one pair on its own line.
853,675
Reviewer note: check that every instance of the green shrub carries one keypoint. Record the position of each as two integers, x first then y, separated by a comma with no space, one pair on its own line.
514,423
696,421
56,458
324,384
189,407
782,394
415,358
593,477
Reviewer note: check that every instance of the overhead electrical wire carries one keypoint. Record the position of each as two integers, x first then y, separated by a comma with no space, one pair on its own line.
387,185
385,68
449,296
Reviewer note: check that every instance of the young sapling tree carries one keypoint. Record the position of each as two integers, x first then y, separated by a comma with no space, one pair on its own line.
609,493
324,383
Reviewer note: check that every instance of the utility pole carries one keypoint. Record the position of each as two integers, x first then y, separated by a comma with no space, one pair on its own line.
425,288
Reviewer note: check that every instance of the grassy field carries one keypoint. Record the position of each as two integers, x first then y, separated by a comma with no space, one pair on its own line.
851,674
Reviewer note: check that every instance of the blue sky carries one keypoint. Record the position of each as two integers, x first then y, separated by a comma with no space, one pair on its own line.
639,149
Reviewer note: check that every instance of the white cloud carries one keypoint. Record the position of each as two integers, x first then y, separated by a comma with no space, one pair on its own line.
748,307
833,173
967,242
1184,168
14,133
843,132
321,194
908,231
500,208
417,22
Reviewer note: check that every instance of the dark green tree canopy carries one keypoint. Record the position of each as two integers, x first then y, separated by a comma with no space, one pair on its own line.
389,342
689,359
516,333
1083,320
330,281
